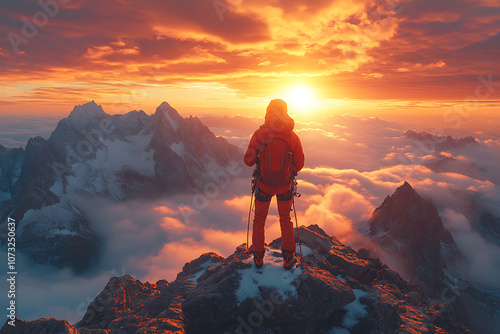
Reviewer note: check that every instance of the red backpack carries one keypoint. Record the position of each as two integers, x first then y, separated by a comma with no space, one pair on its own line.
275,162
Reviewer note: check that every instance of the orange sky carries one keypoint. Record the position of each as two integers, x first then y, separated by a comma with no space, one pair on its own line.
226,56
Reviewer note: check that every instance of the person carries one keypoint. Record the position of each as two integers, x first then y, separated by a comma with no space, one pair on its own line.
278,125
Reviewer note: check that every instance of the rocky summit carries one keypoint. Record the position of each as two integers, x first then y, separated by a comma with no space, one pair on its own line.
334,290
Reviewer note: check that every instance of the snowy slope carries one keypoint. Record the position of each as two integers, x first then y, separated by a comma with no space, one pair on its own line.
94,154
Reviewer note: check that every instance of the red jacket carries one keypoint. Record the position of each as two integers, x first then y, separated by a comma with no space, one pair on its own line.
276,124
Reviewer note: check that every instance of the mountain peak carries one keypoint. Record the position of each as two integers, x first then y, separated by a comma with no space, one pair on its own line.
405,195
87,112
165,105
167,108
406,188
168,115
118,157
409,227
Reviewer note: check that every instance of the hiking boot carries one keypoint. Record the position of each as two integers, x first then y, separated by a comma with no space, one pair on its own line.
288,259
258,258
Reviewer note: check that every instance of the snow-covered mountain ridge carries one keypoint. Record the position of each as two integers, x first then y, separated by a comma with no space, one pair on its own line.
94,154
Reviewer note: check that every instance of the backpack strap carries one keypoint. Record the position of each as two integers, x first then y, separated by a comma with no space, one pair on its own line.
262,196
285,196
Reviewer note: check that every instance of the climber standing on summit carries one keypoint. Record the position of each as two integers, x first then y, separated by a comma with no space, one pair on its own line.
277,151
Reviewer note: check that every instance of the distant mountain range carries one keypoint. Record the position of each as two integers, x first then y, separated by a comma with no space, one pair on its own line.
439,143
94,154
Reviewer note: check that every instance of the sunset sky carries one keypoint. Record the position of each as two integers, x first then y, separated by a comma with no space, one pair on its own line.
357,74
224,56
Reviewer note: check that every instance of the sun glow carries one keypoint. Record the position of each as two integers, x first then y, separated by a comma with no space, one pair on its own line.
300,99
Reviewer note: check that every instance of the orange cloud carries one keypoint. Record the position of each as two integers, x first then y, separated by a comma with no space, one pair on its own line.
363,49
171,258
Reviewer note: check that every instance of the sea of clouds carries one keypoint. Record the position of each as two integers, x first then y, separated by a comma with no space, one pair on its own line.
352,164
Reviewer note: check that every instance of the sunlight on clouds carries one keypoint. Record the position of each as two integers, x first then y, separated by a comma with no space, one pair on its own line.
338,207
165,210
224,242
308,187
98,52
174,225
334,223
240,203
171,258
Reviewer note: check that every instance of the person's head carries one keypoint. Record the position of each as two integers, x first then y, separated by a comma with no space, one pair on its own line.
276,106
277,119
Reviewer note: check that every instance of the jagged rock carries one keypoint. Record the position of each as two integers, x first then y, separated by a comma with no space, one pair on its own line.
128,303
212,304
364,253
213,295
409,228
39,326
200,263
94,154
320,294
352,265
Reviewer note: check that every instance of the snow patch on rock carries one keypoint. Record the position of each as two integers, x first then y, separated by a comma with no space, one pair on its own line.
271,275
355,310
207,265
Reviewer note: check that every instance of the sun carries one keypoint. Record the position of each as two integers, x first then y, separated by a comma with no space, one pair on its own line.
300,99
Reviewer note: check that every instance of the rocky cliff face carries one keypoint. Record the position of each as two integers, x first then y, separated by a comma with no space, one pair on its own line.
336,290
94,154
10,170
479,217
410,228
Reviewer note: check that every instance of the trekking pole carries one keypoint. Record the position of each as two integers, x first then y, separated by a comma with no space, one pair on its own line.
296,194
249,214
298,234
254,183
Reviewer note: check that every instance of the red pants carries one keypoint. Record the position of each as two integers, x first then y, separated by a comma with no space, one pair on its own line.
259,221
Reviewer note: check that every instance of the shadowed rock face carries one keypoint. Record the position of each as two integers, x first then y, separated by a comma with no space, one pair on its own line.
43,325
336,287
410,227
478,216
93,154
